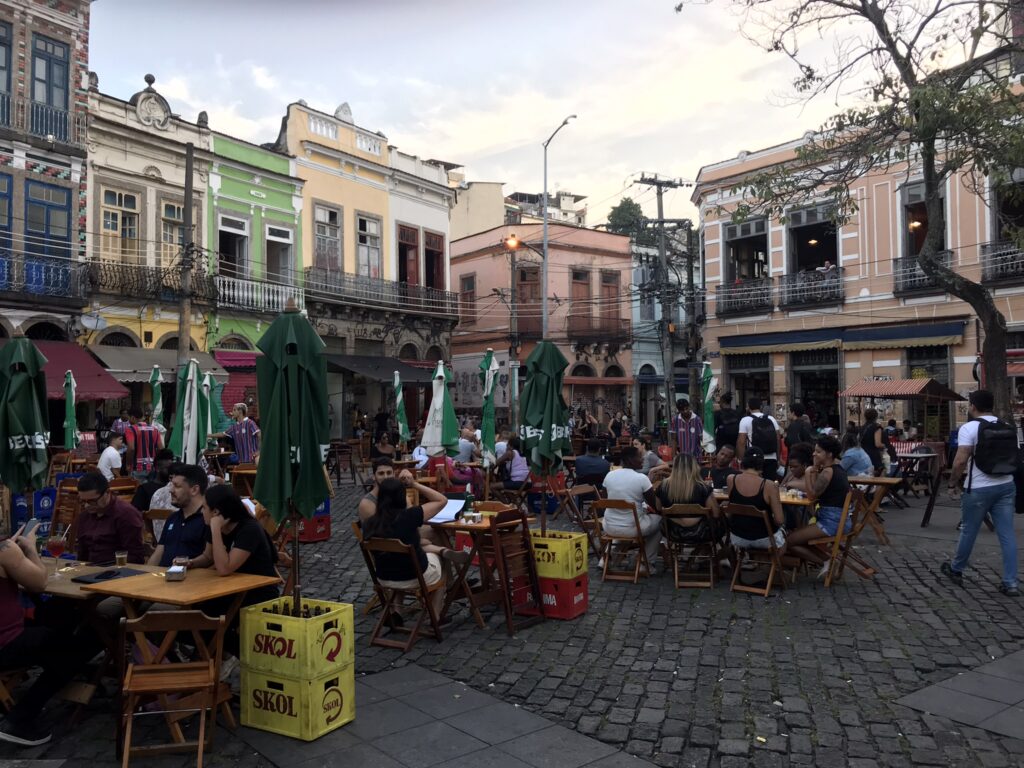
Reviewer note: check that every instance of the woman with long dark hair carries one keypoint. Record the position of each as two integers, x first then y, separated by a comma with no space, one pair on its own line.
828,485
394,519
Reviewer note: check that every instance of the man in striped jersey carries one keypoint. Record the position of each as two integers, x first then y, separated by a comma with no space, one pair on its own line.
244,433
143,441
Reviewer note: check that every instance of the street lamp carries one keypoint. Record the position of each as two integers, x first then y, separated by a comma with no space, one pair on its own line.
544,266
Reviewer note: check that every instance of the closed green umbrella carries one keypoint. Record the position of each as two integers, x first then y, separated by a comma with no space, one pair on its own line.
441,432
400,417
23,416
192,419
219,419
156,380
488,378
291,378
72,437
708,383
543,414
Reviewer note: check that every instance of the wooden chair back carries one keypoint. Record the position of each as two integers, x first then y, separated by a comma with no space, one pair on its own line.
150,535
59,463
577,502
124,487
507,548
390,598
616,547
701,552
66,508
770,557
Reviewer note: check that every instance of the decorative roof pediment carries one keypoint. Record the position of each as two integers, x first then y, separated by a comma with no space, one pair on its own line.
151,108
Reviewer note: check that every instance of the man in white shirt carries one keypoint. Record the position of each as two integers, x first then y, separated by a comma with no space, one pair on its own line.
746,439
501,445
468,450
109,464
419,453
993,495
629,484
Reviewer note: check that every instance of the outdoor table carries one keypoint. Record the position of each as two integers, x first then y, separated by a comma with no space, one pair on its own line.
199,586
934,478
871,515
486,593
400,464
215,461
243,481
910,465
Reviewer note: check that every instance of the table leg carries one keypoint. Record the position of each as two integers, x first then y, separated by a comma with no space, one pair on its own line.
936,481
872,515
462,589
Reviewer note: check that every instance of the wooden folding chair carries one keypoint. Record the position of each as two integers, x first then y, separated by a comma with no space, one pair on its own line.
65,510
699,552
59,462
507,547
616,547
770,557
124,488
830,546
857,504
163,680
390,598
149,534
577,502
374,602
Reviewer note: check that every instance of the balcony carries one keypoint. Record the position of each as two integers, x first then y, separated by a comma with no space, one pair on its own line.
256,295
136,281
910,279
591,329
34,118
343,288
33,280
1001,262
811,289
744,297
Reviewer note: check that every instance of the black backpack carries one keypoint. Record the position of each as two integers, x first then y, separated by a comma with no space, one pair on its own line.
763,434
996,452
728,428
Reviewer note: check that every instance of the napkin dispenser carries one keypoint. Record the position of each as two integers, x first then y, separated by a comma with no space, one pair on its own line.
176,573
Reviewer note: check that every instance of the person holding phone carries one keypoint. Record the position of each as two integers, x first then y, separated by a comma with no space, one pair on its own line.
33,646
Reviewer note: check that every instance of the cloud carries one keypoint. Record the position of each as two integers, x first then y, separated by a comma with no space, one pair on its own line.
262,78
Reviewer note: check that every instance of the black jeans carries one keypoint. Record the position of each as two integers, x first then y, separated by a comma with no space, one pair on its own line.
59,656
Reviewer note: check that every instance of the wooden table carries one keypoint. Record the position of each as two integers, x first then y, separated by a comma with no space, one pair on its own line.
871,515
245,479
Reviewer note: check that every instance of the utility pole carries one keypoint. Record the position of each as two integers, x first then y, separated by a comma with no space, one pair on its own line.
668,293
695,342
185,309
513,350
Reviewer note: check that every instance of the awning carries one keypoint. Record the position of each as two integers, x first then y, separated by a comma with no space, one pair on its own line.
380,368
602,381
92,381
902,389
1015,369
133,364
886,337
236,358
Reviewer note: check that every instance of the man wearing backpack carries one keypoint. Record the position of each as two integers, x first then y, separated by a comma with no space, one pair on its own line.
990,447
727,422
762,432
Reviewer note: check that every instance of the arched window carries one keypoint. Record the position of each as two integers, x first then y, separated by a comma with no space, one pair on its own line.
171,342
46,332
647,370
613,371
582,369
434,354
409,352
236,343
118,339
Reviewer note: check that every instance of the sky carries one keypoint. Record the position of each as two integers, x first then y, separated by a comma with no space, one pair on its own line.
474,82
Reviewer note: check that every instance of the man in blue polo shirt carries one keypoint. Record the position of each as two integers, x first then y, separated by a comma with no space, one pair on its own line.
184,533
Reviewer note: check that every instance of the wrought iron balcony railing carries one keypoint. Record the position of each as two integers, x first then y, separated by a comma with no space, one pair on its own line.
335,286
744,297
146,282
39,278
597,329
257,295
1002,262
35,118
811,289
909,278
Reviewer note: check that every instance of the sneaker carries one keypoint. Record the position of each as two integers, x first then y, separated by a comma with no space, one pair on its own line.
457,556
25,735
228,665
1009,591
955,576
824,569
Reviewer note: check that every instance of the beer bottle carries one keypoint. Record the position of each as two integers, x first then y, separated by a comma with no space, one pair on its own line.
468,507
273,608
305,611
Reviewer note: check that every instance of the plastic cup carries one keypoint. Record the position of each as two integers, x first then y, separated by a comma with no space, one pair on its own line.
121,558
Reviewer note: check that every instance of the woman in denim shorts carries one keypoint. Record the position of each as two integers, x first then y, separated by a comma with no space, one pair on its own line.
828,485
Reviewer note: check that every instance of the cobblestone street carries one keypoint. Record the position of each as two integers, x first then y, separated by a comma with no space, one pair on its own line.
699,677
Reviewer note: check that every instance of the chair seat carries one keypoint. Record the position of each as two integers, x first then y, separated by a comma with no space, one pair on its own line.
156,678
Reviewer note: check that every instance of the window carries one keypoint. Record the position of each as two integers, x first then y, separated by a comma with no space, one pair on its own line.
916,218
367,143
233,247
746,248
434,267
120,224
279,255
812,239
610,301
321,126
6,192
579,309
327,248
368,261
1009,206
5,74
467,299
49,88
47,220
408,255
172,232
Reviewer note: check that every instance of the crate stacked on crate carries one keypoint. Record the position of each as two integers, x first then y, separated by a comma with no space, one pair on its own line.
298,672
562,571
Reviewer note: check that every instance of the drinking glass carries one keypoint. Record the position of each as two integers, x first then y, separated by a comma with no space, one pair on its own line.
121,558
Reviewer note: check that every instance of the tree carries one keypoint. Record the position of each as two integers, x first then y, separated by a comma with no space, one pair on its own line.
929,89
627,218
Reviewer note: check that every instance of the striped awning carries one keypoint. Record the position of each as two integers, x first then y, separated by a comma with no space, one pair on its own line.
901,389
885,337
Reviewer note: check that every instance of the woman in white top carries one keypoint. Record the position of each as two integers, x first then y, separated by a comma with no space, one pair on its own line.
518,468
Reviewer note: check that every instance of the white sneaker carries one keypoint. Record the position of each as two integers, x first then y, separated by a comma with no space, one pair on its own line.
228,665
824,569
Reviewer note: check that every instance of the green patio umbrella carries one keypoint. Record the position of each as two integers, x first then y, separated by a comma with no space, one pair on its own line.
707,386
192,418
156,380
543,414
400,417
219,420
291,378
441,432
72,437
488,378
23,417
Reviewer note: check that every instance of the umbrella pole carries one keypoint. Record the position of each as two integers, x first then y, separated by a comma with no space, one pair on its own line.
296,584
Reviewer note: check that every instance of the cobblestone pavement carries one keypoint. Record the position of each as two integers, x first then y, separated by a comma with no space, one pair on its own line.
706,677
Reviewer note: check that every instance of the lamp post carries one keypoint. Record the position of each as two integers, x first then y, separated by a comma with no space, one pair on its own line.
544,266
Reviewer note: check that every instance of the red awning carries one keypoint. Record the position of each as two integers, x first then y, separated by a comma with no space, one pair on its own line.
235,358
1015,369
92,381
901,389
602,381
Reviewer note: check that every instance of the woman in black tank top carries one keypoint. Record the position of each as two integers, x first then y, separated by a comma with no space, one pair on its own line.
750,489
827,483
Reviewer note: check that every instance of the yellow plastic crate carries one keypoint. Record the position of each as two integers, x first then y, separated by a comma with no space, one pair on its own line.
560,555
297,647
302,709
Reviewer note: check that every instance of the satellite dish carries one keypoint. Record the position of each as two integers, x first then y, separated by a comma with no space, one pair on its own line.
93,322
